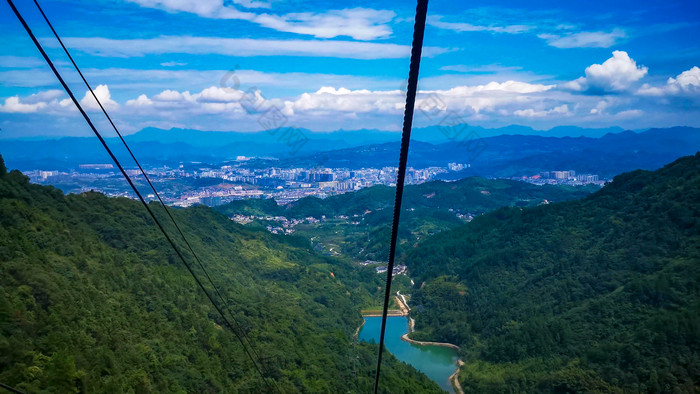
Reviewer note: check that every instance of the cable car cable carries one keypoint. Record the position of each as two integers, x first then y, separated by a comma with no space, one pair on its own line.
416,51
145,175
126,176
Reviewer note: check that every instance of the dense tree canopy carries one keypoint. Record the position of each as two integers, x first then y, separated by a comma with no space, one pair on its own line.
429,208
92,299
601,294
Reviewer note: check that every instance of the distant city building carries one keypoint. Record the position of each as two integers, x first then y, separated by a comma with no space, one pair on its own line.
96,166
457,167
560,174
587,178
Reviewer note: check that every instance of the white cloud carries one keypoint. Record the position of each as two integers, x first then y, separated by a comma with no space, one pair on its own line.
13,105
436,21
616,74
331,101
333,106
685,83
629,113
585,39
358,23
174,104
532,113
240,47
102,93
41,101
461,98
687,80
172,64
141,101
45,96
345,100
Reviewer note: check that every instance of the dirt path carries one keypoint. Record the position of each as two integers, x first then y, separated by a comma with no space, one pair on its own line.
402,305
357,332
454,378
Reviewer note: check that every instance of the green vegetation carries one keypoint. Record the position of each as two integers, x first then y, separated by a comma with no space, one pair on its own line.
92,299
596,295
429,208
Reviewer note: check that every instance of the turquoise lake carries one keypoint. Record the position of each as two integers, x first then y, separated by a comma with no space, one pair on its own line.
437,362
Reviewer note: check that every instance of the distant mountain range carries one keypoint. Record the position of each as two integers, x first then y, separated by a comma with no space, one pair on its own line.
517,155
507,151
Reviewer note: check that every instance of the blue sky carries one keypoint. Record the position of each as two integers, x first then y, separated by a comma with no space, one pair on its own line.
331,65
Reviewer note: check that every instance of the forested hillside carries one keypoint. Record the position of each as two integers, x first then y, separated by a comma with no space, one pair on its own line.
428,209
92,299
596,295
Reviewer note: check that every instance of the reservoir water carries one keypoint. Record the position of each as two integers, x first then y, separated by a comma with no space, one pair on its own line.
437,362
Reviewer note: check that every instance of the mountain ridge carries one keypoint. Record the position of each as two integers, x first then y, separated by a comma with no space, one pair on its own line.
598,294
92,299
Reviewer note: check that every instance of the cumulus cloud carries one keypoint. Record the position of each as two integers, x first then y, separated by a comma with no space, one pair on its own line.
685,83
102,93
332,101
13,105
460,99
48,102
333,106
42,101
585,39
344,100
358,23
616,74
326,101
687,80
240,47
212,100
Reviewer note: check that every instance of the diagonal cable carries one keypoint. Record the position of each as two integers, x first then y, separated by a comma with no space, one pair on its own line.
145,175
416,50
128,179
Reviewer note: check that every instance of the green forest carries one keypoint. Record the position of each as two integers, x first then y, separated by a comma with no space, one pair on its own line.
596,295
93,299
429,208
593,293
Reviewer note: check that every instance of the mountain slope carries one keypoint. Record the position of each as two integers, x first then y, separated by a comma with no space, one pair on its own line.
428,208
92,299
601,294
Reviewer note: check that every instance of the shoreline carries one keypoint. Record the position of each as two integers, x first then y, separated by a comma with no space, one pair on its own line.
390,313
454,378
405,337
404,311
